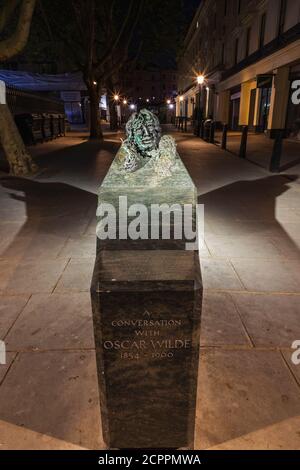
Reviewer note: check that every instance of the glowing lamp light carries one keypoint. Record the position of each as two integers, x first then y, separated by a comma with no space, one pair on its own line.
147,100
171,106
124,101
132,106
181,98
168,101
200,79
94,82
116,97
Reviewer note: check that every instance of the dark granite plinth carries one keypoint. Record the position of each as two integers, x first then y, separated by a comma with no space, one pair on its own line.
147,296
147,308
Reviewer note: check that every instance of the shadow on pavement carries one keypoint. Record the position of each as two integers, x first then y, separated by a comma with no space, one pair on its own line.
251,204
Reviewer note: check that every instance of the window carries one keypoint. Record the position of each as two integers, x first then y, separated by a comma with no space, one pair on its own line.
282,15
248,36
262,30
236,50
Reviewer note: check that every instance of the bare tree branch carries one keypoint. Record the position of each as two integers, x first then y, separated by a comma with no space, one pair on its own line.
116,41
6,12
78,17
13,45
45,19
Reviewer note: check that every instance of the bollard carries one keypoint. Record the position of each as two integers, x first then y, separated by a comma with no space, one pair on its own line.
243,146
212,133
202,129
224,137
206,131
276,153
195,127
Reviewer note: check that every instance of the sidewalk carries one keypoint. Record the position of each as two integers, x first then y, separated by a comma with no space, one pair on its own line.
249,390
259,150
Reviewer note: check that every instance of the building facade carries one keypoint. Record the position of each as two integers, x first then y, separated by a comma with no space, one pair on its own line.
249,54
151,84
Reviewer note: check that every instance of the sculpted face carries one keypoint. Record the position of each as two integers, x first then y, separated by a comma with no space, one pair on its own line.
143,131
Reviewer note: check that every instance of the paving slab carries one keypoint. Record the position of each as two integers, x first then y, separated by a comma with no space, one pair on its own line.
275,275
67,225
220,323
242,247
81,247
272,320
19,438
55,321
284,435
10,309
219,274
10,356
242,391
56,394
289,247
295,368
30,276
38,245
77,276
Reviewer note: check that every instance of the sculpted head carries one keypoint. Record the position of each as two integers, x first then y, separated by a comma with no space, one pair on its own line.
143,131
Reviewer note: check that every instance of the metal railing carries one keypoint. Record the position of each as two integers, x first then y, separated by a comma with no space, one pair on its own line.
23,102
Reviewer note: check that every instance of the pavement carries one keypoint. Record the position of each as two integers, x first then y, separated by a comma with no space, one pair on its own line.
248,390
260,148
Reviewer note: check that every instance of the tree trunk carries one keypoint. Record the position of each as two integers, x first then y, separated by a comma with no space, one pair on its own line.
95,121
20,161
113,115
17,41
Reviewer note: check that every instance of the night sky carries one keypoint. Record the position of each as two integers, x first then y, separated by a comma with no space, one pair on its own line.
166,57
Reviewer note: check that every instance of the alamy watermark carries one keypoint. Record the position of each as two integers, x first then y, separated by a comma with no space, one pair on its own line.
295,358
295,97
159,221
2,353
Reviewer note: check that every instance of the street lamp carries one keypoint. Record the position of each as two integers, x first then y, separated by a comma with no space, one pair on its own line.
132,106
116,97
125,102
168,101
200,81
180,104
